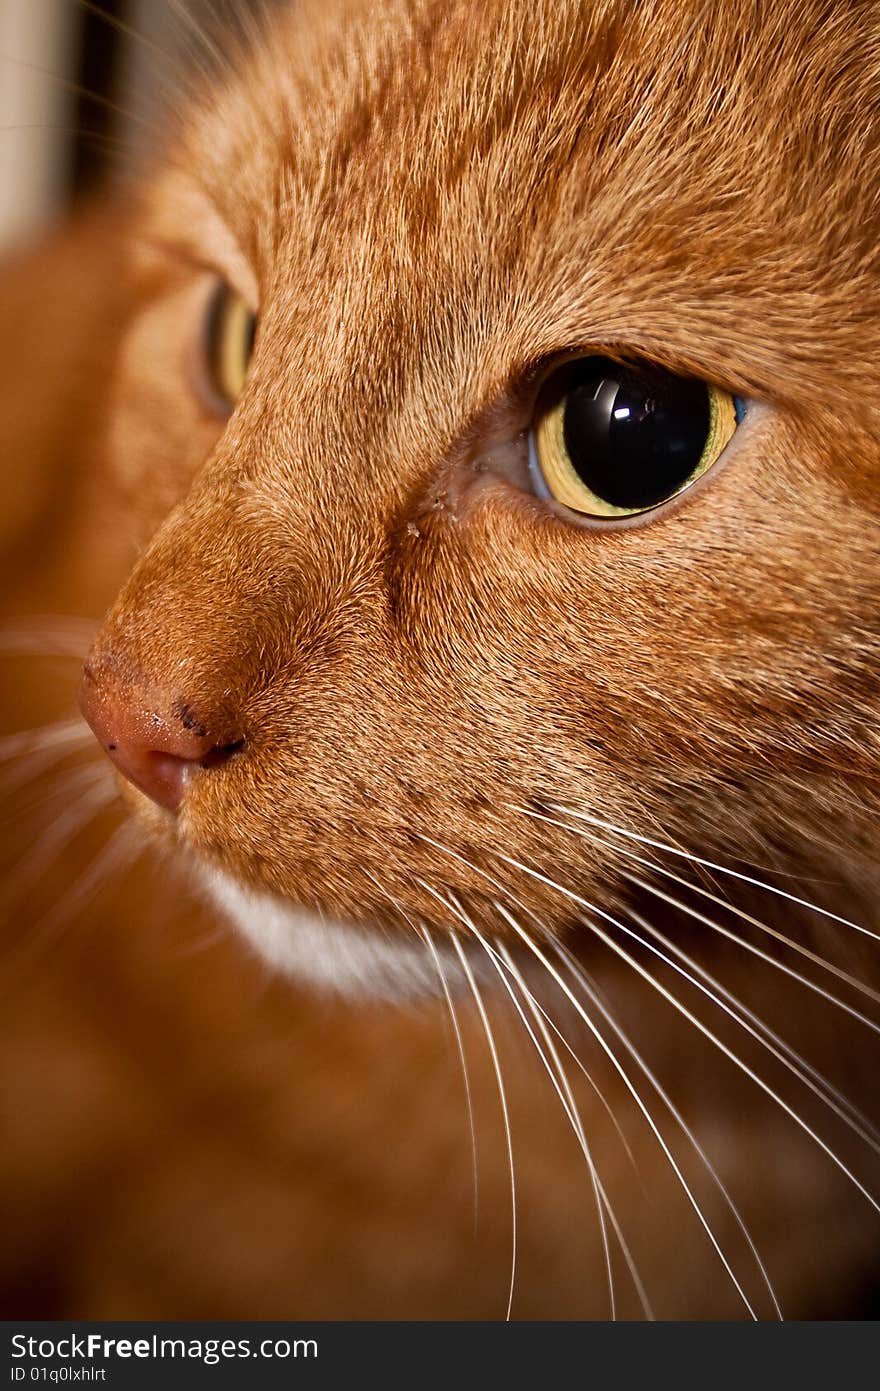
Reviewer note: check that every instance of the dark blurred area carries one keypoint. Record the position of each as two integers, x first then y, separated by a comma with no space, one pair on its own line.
81,88
99,60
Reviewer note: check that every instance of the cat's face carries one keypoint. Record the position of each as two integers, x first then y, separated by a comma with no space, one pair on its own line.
376,646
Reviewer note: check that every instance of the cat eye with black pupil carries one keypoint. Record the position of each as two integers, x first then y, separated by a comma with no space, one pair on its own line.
610,440
230,330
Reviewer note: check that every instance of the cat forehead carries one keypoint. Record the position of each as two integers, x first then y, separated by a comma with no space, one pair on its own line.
525,95
713,157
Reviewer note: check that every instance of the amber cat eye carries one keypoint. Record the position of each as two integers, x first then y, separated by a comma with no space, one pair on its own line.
612,440
230,329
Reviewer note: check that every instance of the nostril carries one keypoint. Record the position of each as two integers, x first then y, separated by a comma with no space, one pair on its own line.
165,776
221,753
158,755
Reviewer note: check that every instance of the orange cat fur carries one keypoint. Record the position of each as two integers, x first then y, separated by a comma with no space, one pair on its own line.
426,677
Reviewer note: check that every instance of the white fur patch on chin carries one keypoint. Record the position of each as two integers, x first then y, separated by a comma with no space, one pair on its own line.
329,955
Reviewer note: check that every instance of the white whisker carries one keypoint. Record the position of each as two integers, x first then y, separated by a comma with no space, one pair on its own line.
566,1097
773,932
95,796
595,999
200,34
32,778
127,29
632,1089
63,735
496,883
544,1021
205,942
502,1094
447,994
603,1100
766,1036
697,1023
424,936
720,869
798,1065
764,956
120,851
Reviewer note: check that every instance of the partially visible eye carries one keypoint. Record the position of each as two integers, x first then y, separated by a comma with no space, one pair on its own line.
609,440
230,329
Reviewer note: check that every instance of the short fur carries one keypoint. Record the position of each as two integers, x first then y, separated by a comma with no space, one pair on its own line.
426,204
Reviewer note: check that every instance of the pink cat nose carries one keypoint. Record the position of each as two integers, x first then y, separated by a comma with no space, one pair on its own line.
159,756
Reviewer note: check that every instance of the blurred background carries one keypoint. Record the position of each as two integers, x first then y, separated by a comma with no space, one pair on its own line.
186,1135
80,86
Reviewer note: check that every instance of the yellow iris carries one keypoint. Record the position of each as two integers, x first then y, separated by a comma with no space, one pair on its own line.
565,484
230,334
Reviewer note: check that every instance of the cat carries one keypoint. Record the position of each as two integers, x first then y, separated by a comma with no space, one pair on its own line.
491,396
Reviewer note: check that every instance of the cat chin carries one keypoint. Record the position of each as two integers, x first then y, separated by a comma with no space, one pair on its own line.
326,954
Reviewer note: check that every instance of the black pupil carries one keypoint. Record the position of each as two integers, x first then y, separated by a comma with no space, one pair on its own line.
634,435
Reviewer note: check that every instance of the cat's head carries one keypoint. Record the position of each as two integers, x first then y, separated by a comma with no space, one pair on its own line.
503,382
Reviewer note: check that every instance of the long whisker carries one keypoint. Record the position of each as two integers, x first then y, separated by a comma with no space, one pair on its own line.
697,1023
502,1094
205,942
566,1097
584,1070
63,734
28,772
121,850
110,145
764,956
595,999
48,635
65,84
720,869
31,779
569,1107
447,994
45,793
632,1089
798,1065
767,1037
664,1096
94,798
543,1020
497,884
199,32
126,29
773,932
